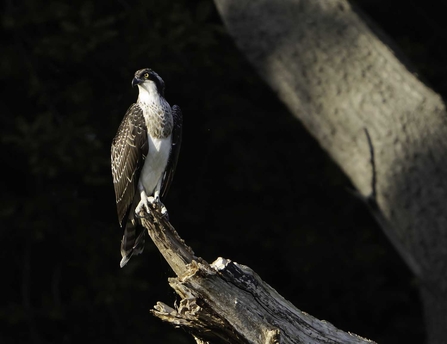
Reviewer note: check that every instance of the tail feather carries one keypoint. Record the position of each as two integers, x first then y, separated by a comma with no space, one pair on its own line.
131,244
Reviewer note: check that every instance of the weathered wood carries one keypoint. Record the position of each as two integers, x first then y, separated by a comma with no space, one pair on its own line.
226,302
174,250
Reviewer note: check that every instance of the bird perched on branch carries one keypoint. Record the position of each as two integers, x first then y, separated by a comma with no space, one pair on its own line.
144,157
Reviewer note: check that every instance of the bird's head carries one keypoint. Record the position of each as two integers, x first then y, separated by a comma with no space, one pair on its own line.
149,81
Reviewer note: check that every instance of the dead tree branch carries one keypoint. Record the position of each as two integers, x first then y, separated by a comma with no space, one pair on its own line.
225,302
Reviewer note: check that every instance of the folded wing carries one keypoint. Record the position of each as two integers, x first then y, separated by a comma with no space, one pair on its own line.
129,149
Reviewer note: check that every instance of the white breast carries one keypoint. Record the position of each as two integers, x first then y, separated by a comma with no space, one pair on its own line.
155,163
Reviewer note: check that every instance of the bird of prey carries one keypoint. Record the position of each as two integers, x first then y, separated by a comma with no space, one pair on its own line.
144,157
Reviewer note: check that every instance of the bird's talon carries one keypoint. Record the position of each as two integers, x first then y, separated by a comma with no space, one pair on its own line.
154,200
164,212
142,205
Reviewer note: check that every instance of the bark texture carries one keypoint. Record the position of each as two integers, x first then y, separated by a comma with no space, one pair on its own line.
338,76
229,303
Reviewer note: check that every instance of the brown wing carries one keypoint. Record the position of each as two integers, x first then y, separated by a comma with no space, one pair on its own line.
175,150
129,149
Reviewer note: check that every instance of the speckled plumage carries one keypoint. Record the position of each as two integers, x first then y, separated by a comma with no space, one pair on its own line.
158,115
144,156
129,149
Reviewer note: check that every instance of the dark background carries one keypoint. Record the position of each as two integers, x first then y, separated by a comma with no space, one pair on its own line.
251,183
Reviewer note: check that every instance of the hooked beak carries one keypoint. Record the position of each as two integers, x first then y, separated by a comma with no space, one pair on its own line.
136,81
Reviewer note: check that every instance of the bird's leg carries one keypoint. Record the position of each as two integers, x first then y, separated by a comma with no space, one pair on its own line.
144,201
156,199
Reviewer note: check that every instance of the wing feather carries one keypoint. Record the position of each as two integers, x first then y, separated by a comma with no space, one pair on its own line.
175,149
129,149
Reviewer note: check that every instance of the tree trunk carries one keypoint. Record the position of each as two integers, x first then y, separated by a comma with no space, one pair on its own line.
337,75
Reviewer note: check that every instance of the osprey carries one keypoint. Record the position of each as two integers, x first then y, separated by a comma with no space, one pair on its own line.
144,157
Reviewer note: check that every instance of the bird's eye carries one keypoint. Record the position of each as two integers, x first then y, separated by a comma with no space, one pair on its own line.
146,75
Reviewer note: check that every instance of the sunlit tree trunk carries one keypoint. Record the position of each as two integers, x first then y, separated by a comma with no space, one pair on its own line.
340,76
